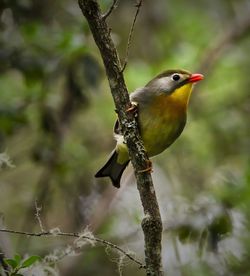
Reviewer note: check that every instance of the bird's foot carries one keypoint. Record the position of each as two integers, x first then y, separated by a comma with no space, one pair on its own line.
133,108
149,167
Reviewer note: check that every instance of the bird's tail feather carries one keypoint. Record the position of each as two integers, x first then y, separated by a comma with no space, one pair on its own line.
113,169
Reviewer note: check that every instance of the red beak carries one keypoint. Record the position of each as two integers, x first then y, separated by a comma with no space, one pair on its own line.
195,77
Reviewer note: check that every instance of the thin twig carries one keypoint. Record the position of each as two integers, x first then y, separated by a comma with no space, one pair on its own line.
113,6
138,6
38,217
75,235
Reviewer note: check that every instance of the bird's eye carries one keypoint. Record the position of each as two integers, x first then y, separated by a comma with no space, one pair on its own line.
176,77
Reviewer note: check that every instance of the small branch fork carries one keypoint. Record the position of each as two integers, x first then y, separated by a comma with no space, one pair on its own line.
113,6
108,13
38,217
75,235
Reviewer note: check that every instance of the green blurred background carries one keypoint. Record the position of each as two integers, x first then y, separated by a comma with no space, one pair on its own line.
56,119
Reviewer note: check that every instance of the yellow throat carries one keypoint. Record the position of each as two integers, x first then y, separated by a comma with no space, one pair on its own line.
182,94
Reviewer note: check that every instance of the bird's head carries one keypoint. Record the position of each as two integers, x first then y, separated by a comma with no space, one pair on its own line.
170,80
174,83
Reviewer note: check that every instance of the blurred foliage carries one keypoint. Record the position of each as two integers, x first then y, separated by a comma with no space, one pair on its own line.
56,117
16,265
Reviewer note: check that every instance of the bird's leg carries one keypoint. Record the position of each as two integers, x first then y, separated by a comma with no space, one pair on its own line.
133,107
149,167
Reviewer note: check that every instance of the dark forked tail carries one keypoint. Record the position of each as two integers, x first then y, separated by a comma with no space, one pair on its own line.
113,169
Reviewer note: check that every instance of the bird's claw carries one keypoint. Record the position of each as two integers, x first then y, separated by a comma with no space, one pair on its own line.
132,108
149,167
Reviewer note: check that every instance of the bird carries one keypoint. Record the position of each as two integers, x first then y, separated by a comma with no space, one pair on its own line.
161,108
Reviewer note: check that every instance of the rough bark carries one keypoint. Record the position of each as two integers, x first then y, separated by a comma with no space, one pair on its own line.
151,223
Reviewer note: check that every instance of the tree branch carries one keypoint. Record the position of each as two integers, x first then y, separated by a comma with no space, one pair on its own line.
75,235
151,224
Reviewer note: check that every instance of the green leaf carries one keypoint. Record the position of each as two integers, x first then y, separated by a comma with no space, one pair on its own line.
11,262
30,261
17,258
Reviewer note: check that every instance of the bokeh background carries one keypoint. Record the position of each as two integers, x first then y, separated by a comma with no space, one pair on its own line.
56,119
